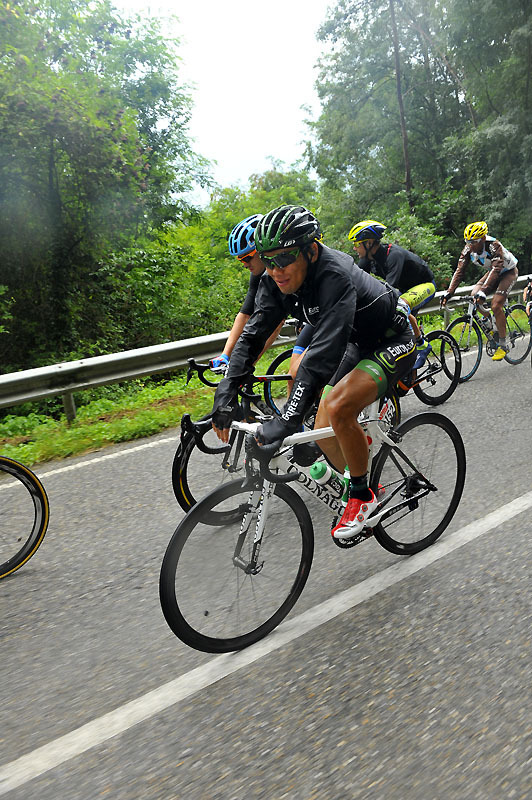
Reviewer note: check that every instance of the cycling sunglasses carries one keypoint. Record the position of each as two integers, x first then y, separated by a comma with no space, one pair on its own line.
281,260
247,258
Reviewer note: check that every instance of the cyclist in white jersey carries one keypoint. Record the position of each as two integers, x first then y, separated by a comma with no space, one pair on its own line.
500,266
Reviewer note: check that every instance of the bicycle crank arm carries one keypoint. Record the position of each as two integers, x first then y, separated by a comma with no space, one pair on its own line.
384,513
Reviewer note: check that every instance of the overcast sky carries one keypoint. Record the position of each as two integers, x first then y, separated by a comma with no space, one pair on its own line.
252,67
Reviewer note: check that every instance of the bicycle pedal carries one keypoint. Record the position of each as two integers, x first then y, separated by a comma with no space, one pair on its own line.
345,544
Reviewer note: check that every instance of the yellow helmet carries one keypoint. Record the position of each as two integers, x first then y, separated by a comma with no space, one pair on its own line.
475,230
367,229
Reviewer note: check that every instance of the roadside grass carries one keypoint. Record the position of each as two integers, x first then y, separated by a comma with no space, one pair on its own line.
37,438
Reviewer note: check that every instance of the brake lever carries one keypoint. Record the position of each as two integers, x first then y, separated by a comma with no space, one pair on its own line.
263,454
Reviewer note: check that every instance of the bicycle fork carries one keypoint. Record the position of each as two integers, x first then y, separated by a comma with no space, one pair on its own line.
252,567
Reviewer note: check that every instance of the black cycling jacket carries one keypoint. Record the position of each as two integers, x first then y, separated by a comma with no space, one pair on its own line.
399,267
341,301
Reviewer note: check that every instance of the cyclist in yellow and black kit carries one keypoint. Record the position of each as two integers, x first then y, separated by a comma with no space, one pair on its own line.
501,266
400,268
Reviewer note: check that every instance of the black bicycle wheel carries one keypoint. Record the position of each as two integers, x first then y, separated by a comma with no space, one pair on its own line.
423,479
469,339
517,334
211,597
194,472
276,392
24,517
437,379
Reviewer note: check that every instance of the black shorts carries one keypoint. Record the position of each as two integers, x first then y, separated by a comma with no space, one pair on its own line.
390,361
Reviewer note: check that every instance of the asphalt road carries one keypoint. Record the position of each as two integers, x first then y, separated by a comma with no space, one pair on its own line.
392,678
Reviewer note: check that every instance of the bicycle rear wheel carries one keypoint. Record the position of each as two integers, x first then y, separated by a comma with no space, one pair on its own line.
437,379
210,597
518,334
469,339
423,479
24,517
276,392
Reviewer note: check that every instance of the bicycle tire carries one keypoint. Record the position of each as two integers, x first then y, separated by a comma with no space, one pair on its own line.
429,511
518,333
272,389
468,336
208,601
25,515
440,375
192,472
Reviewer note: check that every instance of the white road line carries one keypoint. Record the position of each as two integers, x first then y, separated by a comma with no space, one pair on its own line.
94,733
108,456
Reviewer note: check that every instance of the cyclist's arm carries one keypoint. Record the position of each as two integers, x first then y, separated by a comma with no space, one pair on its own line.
459,271
234,334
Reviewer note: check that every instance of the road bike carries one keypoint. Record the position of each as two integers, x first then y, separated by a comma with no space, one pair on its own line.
24,515
436,380
469,329
200,453
226,584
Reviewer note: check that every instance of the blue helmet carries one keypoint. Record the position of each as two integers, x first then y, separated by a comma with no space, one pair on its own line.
242,238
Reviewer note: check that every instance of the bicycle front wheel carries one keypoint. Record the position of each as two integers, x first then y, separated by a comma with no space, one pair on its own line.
276,392
214,595
437,379
469,339
423,479
518,334
24,517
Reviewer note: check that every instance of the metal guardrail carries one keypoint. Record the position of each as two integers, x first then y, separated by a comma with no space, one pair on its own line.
74,376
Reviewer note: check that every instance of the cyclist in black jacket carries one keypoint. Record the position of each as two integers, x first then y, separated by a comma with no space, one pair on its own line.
361,342
398,267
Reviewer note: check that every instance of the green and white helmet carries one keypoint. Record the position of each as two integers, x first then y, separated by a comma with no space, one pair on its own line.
286,226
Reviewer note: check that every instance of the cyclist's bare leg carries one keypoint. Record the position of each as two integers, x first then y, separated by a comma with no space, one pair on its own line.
497,305
478,287
340,409
415,327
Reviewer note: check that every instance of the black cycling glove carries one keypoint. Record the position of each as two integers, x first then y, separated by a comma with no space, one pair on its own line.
226,407
272,431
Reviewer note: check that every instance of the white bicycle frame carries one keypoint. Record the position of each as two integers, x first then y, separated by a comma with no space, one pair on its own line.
369,419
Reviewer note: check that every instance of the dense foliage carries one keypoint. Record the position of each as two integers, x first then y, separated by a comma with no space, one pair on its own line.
464,84
93,155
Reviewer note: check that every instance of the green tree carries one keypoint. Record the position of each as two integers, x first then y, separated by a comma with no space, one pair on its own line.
93,154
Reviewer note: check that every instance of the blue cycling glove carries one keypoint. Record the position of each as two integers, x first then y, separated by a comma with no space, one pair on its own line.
219,361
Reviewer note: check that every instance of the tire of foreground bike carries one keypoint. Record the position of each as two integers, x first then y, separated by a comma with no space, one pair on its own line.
41,516
521,316
183,491
462,329
280,366
452,373
386,539
167,594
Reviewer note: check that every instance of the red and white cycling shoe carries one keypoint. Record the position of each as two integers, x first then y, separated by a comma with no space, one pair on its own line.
354,517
